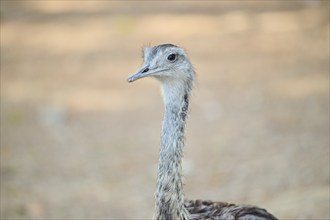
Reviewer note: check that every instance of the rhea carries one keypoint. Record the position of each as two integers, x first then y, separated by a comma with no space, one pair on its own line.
171,66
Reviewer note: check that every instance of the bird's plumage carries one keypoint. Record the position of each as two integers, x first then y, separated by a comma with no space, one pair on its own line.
209,210
170,65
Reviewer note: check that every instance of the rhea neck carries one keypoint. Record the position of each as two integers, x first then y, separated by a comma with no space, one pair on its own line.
169,194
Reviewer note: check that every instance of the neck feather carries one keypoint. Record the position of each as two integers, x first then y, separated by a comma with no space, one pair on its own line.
169,194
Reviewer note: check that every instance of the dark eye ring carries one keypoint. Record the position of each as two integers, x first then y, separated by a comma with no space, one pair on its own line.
172,57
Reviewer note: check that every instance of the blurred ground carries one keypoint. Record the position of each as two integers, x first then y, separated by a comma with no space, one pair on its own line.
77,141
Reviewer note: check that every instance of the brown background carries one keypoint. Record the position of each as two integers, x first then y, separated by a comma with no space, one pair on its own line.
77,141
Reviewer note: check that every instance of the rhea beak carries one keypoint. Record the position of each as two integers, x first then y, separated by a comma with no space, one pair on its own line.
143,72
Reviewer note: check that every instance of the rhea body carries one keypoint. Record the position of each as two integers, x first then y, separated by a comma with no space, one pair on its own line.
171,66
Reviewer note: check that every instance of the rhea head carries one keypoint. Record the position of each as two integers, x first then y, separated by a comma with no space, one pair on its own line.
166,63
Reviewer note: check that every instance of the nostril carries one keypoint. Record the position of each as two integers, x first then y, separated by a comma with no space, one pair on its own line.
145,70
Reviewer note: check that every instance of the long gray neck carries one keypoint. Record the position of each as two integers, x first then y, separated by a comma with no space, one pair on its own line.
169,194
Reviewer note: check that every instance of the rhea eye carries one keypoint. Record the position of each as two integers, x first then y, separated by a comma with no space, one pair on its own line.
172,57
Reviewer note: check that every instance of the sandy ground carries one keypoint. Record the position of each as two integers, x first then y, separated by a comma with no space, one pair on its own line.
77,141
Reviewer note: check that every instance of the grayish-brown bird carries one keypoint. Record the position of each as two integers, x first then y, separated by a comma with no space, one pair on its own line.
171,66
